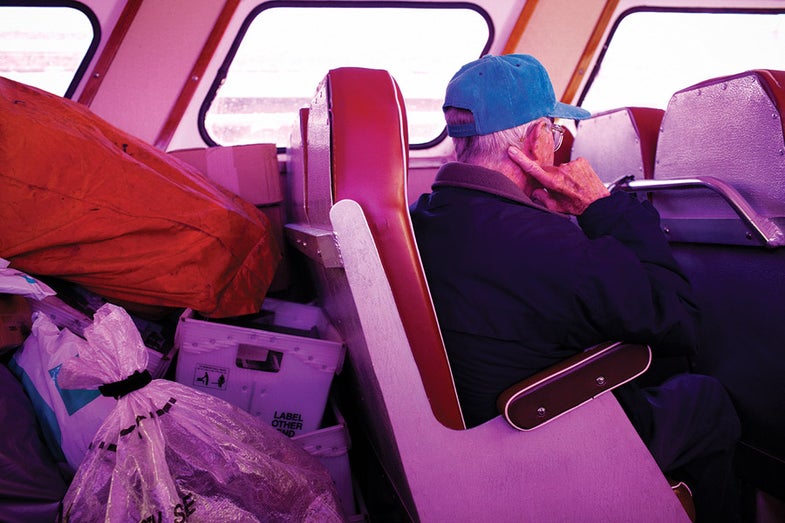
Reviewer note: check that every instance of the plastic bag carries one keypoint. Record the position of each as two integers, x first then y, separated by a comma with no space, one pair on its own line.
69,418
169,453
13,281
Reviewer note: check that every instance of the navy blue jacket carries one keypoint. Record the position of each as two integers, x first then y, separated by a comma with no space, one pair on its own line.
518,288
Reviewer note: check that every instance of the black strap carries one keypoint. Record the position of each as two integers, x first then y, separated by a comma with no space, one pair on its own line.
118,389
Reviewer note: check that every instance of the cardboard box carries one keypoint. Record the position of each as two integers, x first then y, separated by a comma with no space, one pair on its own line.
277,365
282,277
250,171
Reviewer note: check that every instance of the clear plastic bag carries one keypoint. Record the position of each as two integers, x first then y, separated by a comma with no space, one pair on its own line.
169,453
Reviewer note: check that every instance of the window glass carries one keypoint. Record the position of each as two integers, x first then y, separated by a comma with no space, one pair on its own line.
653,54
44,46
286,51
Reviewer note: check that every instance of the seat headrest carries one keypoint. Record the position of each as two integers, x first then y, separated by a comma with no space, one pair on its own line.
731,128
369,163
620,142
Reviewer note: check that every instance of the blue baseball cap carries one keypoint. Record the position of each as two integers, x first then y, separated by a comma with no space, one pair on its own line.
503,92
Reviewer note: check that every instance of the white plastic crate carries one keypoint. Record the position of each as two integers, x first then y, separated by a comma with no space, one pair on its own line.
330,445
278,365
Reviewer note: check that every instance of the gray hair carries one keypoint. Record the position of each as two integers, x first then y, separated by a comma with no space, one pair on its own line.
488,150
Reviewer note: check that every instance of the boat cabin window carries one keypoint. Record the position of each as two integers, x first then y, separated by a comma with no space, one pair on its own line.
284,51
47,46
652,53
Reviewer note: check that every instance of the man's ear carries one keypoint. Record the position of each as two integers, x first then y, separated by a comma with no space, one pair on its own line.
538,143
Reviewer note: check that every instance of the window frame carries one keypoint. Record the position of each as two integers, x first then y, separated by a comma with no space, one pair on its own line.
80,71
662,9
223,69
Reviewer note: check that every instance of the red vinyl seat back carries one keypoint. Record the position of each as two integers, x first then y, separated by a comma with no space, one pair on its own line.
369,143
562,154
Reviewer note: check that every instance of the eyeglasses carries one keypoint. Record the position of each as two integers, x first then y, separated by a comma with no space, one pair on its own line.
558,135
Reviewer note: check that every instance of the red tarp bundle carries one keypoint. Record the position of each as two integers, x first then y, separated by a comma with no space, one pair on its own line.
83,201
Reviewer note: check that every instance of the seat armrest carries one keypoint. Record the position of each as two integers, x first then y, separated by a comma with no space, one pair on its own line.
562,387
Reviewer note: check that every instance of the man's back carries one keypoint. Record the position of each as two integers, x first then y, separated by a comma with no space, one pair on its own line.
518,288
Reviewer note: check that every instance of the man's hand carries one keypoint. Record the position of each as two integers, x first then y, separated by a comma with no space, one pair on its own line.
567,188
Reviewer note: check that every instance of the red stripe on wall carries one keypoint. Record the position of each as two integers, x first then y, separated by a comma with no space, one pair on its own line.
109,51
188,90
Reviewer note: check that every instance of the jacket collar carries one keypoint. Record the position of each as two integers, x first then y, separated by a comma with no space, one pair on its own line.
467,176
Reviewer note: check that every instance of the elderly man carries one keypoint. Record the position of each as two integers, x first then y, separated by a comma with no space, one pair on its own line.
529,263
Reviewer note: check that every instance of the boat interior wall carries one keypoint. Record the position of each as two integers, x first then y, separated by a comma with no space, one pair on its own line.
621,142
494,471
106,52
186,135
114,74
556,40
113,20
158,89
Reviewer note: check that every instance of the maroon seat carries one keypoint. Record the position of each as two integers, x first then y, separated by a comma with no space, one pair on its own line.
731,129
620,142
359,236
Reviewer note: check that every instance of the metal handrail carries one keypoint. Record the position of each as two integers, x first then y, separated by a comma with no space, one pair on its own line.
770,233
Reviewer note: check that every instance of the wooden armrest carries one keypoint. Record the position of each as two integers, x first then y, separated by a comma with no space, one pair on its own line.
561,388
